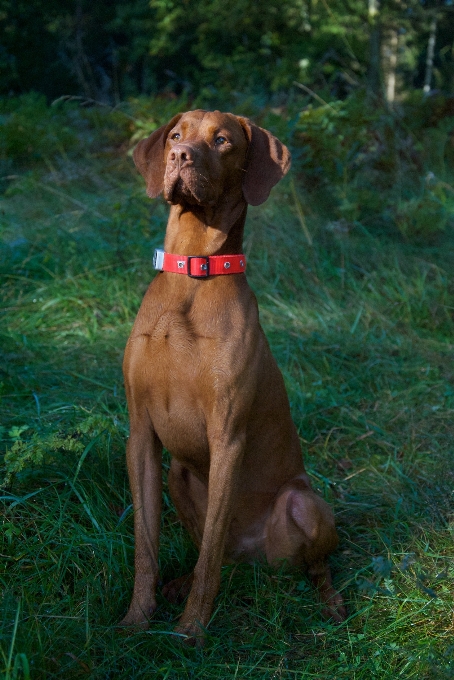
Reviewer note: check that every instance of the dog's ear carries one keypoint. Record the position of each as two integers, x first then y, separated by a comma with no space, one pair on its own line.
149,157
268,160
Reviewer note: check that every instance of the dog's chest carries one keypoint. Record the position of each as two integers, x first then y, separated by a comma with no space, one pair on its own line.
172,336
189,357
177,363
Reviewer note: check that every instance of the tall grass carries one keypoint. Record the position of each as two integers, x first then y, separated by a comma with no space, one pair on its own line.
361,325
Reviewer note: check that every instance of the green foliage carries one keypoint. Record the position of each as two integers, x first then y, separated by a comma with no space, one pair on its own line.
253,45
424,216
108,51
41,449
30,130
367,163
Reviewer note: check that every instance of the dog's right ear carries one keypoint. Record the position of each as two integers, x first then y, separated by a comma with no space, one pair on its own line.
149,157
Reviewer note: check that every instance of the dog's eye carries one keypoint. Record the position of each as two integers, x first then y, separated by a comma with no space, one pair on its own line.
220,140
176,136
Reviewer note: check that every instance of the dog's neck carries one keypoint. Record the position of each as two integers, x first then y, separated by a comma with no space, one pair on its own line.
194,230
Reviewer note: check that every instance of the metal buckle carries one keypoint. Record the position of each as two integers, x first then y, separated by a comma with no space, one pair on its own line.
205,267
158,259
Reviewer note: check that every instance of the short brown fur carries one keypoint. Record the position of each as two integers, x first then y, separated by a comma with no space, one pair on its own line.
201,381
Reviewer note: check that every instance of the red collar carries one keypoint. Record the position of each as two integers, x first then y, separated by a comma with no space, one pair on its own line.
199,266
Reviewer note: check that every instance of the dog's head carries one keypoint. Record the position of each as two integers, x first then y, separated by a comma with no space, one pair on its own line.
200,156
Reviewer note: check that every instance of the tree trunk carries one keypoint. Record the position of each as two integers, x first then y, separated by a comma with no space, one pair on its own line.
430,55
389,54
374,70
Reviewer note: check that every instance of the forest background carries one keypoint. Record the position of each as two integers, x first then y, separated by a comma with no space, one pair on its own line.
351,260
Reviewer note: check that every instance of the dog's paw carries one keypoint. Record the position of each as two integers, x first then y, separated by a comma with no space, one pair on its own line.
334,609
190,634
138,617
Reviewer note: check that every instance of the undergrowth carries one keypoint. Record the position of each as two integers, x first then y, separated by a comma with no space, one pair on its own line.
359,317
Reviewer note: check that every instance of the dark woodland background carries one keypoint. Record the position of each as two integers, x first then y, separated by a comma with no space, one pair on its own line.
110,51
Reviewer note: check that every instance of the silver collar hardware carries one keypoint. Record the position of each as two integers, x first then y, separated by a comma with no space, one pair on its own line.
158,259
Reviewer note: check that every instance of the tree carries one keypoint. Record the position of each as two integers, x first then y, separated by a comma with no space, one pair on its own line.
109,50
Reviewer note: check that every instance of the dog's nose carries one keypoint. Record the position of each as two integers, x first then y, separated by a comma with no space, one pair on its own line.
182,154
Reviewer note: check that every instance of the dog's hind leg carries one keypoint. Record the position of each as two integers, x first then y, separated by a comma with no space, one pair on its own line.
300,530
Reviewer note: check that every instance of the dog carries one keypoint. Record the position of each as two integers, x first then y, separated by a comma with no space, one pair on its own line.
200,380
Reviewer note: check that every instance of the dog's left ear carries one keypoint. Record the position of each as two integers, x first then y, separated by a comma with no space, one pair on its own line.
149,157
268,160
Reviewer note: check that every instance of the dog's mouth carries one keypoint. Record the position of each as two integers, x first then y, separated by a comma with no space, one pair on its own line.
179,192
186,187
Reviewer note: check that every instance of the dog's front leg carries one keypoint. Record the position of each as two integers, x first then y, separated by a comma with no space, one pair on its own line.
225,462
144,459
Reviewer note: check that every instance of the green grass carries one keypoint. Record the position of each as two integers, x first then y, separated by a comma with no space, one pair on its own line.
362,328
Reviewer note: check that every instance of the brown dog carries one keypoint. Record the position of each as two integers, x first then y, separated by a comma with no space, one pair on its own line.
201,380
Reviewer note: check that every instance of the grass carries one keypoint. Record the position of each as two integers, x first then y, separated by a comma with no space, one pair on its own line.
362,328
